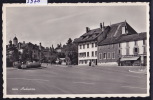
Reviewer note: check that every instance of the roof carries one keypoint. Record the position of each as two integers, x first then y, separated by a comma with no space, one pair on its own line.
124,38
112,31
133,37
89,36
115,33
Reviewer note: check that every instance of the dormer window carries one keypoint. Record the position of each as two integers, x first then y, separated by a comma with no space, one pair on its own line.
80,46
123,30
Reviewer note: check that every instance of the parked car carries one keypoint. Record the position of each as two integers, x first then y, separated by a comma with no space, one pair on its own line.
29,64
17,64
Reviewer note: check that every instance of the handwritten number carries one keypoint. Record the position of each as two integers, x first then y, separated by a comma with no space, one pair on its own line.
33,1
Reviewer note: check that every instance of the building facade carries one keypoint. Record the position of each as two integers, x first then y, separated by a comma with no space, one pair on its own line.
87,52
108,48
134,50
108,54
124,50
87,45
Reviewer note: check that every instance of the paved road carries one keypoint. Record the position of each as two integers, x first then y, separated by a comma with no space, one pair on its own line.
75,80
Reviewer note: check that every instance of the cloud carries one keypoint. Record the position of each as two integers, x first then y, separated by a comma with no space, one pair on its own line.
52,25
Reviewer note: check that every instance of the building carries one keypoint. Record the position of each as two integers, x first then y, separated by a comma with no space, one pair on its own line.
47,54
58,49
15,41
122,46
16,51
108,49
87,44
133,49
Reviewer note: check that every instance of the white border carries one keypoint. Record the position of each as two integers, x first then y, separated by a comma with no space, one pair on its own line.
74,95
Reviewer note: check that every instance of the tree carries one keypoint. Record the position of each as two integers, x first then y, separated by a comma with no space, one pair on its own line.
15,55
53,58
69,41
71,52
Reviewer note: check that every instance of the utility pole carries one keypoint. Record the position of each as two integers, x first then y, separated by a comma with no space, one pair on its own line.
40,52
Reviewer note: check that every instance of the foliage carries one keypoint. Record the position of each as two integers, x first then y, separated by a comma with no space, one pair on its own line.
53,58
71,52
69,41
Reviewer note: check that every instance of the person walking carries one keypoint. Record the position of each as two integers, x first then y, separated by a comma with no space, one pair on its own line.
93,64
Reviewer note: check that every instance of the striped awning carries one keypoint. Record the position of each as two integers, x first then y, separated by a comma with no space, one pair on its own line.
129,58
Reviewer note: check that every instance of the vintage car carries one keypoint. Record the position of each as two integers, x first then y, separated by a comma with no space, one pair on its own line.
29,64
17,64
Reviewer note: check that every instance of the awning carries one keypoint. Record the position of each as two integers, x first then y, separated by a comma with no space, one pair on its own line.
129,58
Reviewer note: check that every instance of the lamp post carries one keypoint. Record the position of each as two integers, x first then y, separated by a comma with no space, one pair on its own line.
40,52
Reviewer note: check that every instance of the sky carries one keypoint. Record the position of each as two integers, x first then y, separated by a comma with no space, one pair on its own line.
56,24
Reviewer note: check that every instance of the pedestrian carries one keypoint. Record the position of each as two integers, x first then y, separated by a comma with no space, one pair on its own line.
93,64
90,63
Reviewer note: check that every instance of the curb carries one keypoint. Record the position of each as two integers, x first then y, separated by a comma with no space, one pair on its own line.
143,71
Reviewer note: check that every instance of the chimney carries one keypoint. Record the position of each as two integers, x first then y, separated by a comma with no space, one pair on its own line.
101,26
87,29
39,46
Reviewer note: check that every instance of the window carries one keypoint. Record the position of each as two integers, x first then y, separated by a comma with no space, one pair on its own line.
119,45
113,55
83,46
144,49
144,42
136,51
87,54
100,56
92,54
119,51
87,45
123,30
95,44
80,55
95,53
85,61
135,42
104,55
92,45
80,46
108,55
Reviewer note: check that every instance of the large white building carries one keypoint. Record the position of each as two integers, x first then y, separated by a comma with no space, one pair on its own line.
87,52
87,45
